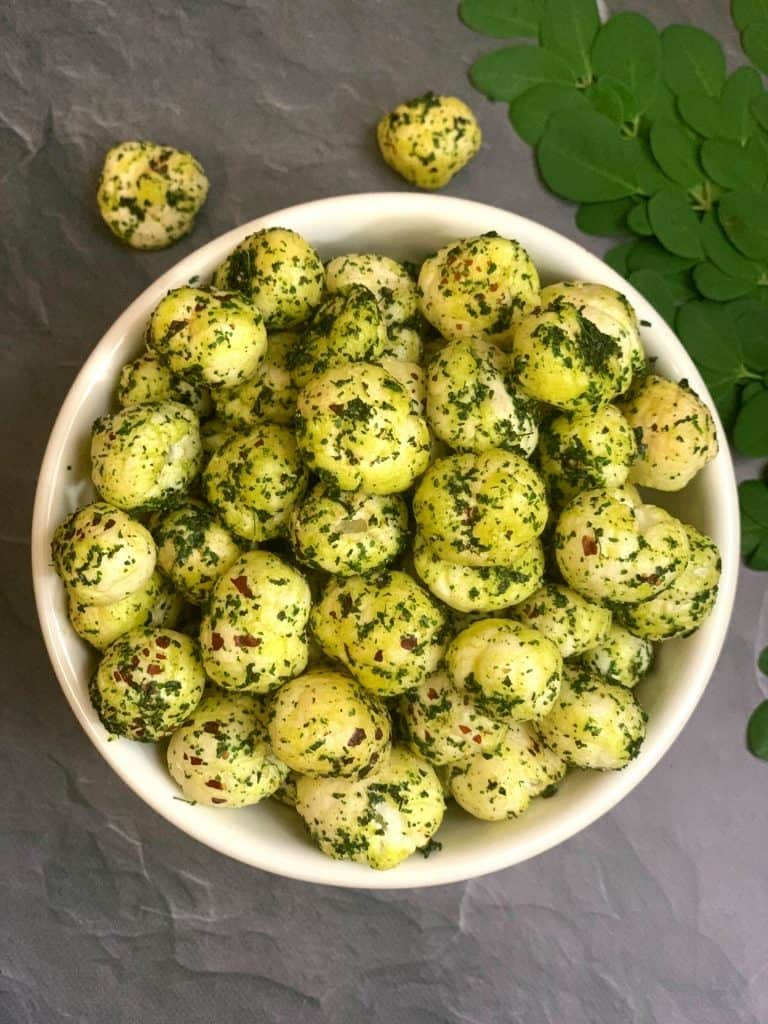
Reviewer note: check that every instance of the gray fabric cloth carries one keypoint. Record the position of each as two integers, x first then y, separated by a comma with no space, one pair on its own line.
654,915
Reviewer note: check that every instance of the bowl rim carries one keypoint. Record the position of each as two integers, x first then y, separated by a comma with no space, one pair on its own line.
481,862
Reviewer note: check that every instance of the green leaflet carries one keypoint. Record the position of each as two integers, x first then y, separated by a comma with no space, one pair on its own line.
713,283
747,12
759,108
676,151
733,166
627,50
663,292
568,28
719,250
750,431
531,111
674,223
757,731
581,157
754,42
753,501
638,220
647,254
738,120
744,218
700,112
609,218
693,61
502,19
506,74
611,99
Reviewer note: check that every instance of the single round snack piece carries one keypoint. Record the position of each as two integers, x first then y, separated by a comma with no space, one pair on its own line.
676,432
194,549
214,338
385,629
482,588
347,532
154,604
480,509
472,404
254,479
149,195
147,380
500,785
611,313
390,282
324,723
682,607
253,631
620,657
594,724
379,820
429,139
269,394
581,451
147,683
609,548
279,272
145,455
347,328
443,724
357,429
221,755
102,555
479,289
571,622
511,672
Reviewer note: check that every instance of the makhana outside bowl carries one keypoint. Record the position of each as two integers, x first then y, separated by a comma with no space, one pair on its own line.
270,836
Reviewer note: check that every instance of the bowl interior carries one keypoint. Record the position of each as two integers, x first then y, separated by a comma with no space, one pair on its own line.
270,836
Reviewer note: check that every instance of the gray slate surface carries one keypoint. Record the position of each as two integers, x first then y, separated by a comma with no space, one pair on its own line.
655,915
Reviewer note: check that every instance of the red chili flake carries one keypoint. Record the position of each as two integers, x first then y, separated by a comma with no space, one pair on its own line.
653,579
477,738
465,729
241,584
126,676
217,641
195,760
154,670
214,784
432,694
246,640
347,604
258,443
378,734
109,524
356,738
160,657
145,651
134,661
408,643
589,545
469,515
493,287
218,800
225,755
185,757
335,407
111,437
117,676
378,656
163,641
212,727
427,736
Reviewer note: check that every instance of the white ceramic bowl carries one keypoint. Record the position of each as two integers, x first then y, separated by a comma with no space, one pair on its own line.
270,836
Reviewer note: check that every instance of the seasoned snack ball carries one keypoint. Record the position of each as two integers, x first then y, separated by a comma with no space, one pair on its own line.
221,755
102,555
384,628
356,428
147,380
391,283
143,456
580,451
594,724
268,395
481,588
214,338
324,723
570,621
620,657
512,672
153,604
347,328
609,548
501,784
676,430
253,631
480,509
254,479
429,139
379,820
443,724
279,272
682,607
147,683
479,289
472,404
347,532
149,195
194,549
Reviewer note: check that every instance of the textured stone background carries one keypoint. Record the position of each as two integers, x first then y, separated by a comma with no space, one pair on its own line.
655,915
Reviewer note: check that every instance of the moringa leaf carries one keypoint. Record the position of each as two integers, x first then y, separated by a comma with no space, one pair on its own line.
506,74
706,331
674,223
759,108
753,502
757,730
610,99
741,88
502,19
568,28
638,220
747,12
750,431
754,42
713,283
664,292
676,151
628,51
582,157
733,166
693,61
700,112
647,254
744,218
719,250
530,112
750,323
609,218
